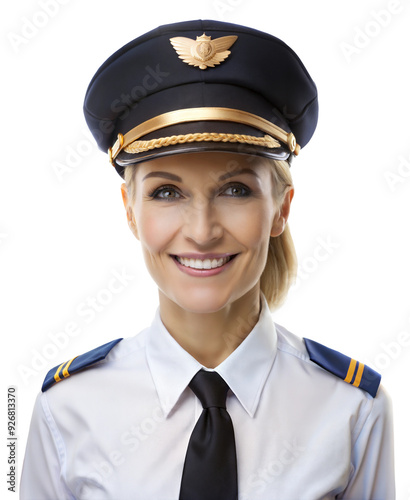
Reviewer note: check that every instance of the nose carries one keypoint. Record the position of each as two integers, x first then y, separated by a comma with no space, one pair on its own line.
201,223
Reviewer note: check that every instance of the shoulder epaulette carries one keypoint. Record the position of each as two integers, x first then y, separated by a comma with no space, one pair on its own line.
76,364
348,369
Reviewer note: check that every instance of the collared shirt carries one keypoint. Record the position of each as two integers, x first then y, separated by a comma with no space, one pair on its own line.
120,429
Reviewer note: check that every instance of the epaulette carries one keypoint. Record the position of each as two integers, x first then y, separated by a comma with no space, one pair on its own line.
348,369
76,364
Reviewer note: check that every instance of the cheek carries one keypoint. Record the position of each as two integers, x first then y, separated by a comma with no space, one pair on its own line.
156,228
251,227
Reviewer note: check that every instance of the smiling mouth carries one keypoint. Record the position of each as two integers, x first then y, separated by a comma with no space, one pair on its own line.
205,263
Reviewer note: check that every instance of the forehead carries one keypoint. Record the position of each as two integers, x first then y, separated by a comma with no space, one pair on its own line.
196,165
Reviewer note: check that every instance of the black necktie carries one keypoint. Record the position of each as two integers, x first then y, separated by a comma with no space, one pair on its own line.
210,463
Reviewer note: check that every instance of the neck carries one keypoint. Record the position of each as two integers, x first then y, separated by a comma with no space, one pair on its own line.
211,337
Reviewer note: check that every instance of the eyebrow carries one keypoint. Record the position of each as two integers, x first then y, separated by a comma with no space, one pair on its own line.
166,175
173,177
237,172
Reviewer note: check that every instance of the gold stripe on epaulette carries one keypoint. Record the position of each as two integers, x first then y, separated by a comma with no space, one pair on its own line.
359,375
56,377
350,371
65,371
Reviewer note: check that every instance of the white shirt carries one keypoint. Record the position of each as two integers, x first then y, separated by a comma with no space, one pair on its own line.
120,429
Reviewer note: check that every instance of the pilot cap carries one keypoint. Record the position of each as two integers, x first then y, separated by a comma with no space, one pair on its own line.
201,86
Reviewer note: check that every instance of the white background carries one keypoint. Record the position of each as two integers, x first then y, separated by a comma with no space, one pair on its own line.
63,239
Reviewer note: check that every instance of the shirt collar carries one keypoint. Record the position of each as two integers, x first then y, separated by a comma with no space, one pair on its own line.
245,370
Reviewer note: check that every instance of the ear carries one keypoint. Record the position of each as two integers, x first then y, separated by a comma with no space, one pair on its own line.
130,214
282,215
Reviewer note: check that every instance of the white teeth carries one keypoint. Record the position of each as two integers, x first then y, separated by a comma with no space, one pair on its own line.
203,264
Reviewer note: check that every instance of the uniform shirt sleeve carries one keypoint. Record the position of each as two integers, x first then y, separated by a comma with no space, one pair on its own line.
372,475
42,475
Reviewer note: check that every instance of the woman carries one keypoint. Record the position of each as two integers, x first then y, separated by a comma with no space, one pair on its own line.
213,400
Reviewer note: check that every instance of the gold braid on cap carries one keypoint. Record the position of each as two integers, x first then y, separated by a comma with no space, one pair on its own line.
142,146
131,138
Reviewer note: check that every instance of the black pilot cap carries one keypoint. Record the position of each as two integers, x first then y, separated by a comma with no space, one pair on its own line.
201,86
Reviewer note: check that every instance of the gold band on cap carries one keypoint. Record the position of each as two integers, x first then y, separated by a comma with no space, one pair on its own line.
142,146
202,114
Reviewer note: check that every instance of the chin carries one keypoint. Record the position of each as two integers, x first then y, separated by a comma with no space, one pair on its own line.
202,300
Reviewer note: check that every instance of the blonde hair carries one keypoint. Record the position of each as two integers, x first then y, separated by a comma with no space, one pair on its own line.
281,263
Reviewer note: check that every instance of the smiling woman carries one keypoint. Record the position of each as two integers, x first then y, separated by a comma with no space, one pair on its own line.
243,189
213,401
218,221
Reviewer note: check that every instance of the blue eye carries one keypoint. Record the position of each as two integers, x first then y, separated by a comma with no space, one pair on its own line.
237,191
165,193
170,193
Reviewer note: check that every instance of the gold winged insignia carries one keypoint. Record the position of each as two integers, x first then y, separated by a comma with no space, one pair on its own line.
203,52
